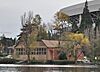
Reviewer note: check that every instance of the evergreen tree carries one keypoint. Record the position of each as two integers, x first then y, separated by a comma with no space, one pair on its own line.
97,25
49,35
6,42
74,20
86,22
42,33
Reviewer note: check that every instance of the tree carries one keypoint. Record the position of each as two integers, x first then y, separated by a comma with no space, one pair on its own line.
59,23
62,55
42,33
26,31
75,41
32,31
3,41
6,42
97,26
96,48
61,16
73,21
29,31
86,22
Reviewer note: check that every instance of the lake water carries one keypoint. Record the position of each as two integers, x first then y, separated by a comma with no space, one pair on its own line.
49,68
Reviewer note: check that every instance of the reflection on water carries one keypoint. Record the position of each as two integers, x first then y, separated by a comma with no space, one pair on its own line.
48,69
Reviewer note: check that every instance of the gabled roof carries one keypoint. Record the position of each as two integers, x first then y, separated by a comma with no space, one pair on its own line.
38,44
45,44
54,43
51,43
20,45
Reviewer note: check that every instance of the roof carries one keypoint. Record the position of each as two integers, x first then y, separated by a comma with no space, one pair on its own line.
20,46
45,44
50,43
54,43
38,44
93,5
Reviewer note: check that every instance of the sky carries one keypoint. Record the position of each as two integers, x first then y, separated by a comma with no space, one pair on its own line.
11,10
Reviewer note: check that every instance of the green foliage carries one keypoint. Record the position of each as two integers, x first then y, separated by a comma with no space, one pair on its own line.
86,22
73,21
97,47
7,61
62,56
42,33
6,42
61,16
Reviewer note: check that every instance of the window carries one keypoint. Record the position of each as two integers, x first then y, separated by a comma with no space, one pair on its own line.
32,53
20,51
40,51
37,51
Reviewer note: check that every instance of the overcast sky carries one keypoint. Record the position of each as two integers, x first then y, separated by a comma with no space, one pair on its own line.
11,10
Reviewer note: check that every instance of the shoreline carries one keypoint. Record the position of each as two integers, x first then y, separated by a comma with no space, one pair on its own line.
45,66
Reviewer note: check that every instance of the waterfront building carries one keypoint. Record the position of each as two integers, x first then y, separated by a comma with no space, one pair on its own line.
43,50
37,52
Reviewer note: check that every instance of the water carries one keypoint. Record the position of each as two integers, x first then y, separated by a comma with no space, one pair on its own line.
49,68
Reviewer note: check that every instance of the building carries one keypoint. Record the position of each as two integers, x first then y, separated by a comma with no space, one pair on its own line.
37,52
53,49
94,5
42,51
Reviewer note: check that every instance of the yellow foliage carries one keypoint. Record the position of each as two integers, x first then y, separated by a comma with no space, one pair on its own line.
85,40
56,26
32,40
33,44
62,16
79,37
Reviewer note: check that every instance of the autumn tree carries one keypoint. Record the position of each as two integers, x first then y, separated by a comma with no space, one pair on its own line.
59,27
59,24
30,30
75,41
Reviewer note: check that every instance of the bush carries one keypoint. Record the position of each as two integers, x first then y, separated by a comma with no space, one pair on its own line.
36,62
62,56
7,61
49,62
60,62
63,62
